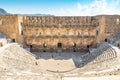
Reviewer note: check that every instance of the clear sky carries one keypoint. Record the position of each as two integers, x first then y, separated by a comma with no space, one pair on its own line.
62,7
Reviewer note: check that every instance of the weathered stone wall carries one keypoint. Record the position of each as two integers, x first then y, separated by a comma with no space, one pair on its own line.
100,29
79,32
109,24
9,25
51,21
112,25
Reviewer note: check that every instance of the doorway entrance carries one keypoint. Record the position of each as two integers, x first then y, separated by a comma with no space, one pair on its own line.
44,47
13,40
59,45
31,47
106,40
74,47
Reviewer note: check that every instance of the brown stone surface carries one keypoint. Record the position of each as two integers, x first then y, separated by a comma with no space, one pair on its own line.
81,31
10,26
68,31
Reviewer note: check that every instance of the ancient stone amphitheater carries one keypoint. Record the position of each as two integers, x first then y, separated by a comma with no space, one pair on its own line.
86,51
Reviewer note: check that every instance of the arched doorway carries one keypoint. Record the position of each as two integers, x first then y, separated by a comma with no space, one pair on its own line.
13,40
88,46
31,47
44,47
59,45
106,40
74,47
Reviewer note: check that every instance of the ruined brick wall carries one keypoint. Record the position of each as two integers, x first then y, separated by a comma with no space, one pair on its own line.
69,31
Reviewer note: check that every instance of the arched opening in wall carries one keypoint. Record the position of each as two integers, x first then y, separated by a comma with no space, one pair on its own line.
44,46
13,40
59,45
74,47
31,47
106,40
88,46
44,50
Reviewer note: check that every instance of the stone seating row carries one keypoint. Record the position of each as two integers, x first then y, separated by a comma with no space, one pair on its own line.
104,52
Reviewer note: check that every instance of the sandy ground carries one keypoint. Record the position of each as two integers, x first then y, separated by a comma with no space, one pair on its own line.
93,78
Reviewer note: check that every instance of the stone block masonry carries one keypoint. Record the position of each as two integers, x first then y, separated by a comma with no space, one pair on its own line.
46,33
